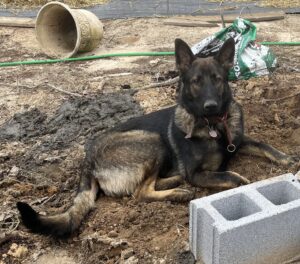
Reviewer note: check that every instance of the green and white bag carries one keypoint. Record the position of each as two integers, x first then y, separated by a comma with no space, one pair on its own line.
251,59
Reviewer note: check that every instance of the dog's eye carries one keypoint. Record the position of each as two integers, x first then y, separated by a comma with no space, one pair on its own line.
216,78
196,79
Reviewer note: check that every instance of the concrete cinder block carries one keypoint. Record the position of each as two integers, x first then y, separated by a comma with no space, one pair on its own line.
258,223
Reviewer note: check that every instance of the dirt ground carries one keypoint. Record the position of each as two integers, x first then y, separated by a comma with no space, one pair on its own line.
42,135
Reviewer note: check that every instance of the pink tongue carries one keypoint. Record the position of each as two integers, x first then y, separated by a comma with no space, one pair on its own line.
213,133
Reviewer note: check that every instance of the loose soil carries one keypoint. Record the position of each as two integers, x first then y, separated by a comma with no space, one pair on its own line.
42,135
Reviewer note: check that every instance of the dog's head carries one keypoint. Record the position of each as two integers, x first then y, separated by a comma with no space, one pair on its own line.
204,81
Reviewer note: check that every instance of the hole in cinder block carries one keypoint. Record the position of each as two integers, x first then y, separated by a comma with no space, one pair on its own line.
236,206
280,192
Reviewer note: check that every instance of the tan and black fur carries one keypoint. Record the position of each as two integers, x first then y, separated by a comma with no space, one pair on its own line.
148,157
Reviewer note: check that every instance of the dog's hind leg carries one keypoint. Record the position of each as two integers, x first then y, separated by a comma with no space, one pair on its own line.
252,147
147,192
168,183
222,180
128,163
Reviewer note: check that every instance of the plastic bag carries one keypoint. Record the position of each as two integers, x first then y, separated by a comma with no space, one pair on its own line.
251,59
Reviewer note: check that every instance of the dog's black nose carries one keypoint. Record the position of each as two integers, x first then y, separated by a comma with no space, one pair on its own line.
210,105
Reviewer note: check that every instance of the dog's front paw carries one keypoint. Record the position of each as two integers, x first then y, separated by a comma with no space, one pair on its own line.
244,181
183,195
296,163
237,179
290,160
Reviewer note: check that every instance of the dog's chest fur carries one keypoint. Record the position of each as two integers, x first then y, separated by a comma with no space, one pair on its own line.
194,148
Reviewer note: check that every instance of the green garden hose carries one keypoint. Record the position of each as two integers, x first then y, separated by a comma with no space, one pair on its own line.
268,43
127,54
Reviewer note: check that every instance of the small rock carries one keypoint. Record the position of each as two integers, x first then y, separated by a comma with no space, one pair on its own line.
14,171
154,62
296,136
52,190
13,246
276,118
17,251
186,257
132,216
127,253
156,248
162,261
297,121
40,159
20,151
186,246
159,261
52,159
4,156
36,255
136,222
251,85
131,260
233,85
2,217
112,234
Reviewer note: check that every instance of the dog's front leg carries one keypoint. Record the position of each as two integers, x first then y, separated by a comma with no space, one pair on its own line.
222,180
235,123
252,147
168,183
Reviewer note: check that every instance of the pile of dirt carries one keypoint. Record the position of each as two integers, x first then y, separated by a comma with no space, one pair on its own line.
23,125
74,118
74,121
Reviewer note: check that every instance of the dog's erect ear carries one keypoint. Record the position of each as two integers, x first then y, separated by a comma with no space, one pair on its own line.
184,55
225,55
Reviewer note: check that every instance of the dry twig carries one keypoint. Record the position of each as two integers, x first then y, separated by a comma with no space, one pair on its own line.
63,91
10,222
282,98
161,84
8,236
43,200
46,84
101,85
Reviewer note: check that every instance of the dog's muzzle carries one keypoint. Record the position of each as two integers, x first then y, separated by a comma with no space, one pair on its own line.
210,106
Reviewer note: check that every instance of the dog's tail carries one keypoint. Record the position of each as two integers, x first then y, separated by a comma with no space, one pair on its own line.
62,225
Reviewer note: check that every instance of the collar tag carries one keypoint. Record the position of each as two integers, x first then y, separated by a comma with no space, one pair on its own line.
213,133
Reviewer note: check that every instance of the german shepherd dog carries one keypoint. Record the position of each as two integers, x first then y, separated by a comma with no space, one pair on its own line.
149,156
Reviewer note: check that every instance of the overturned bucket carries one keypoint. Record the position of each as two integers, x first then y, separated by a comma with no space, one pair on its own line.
62,31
